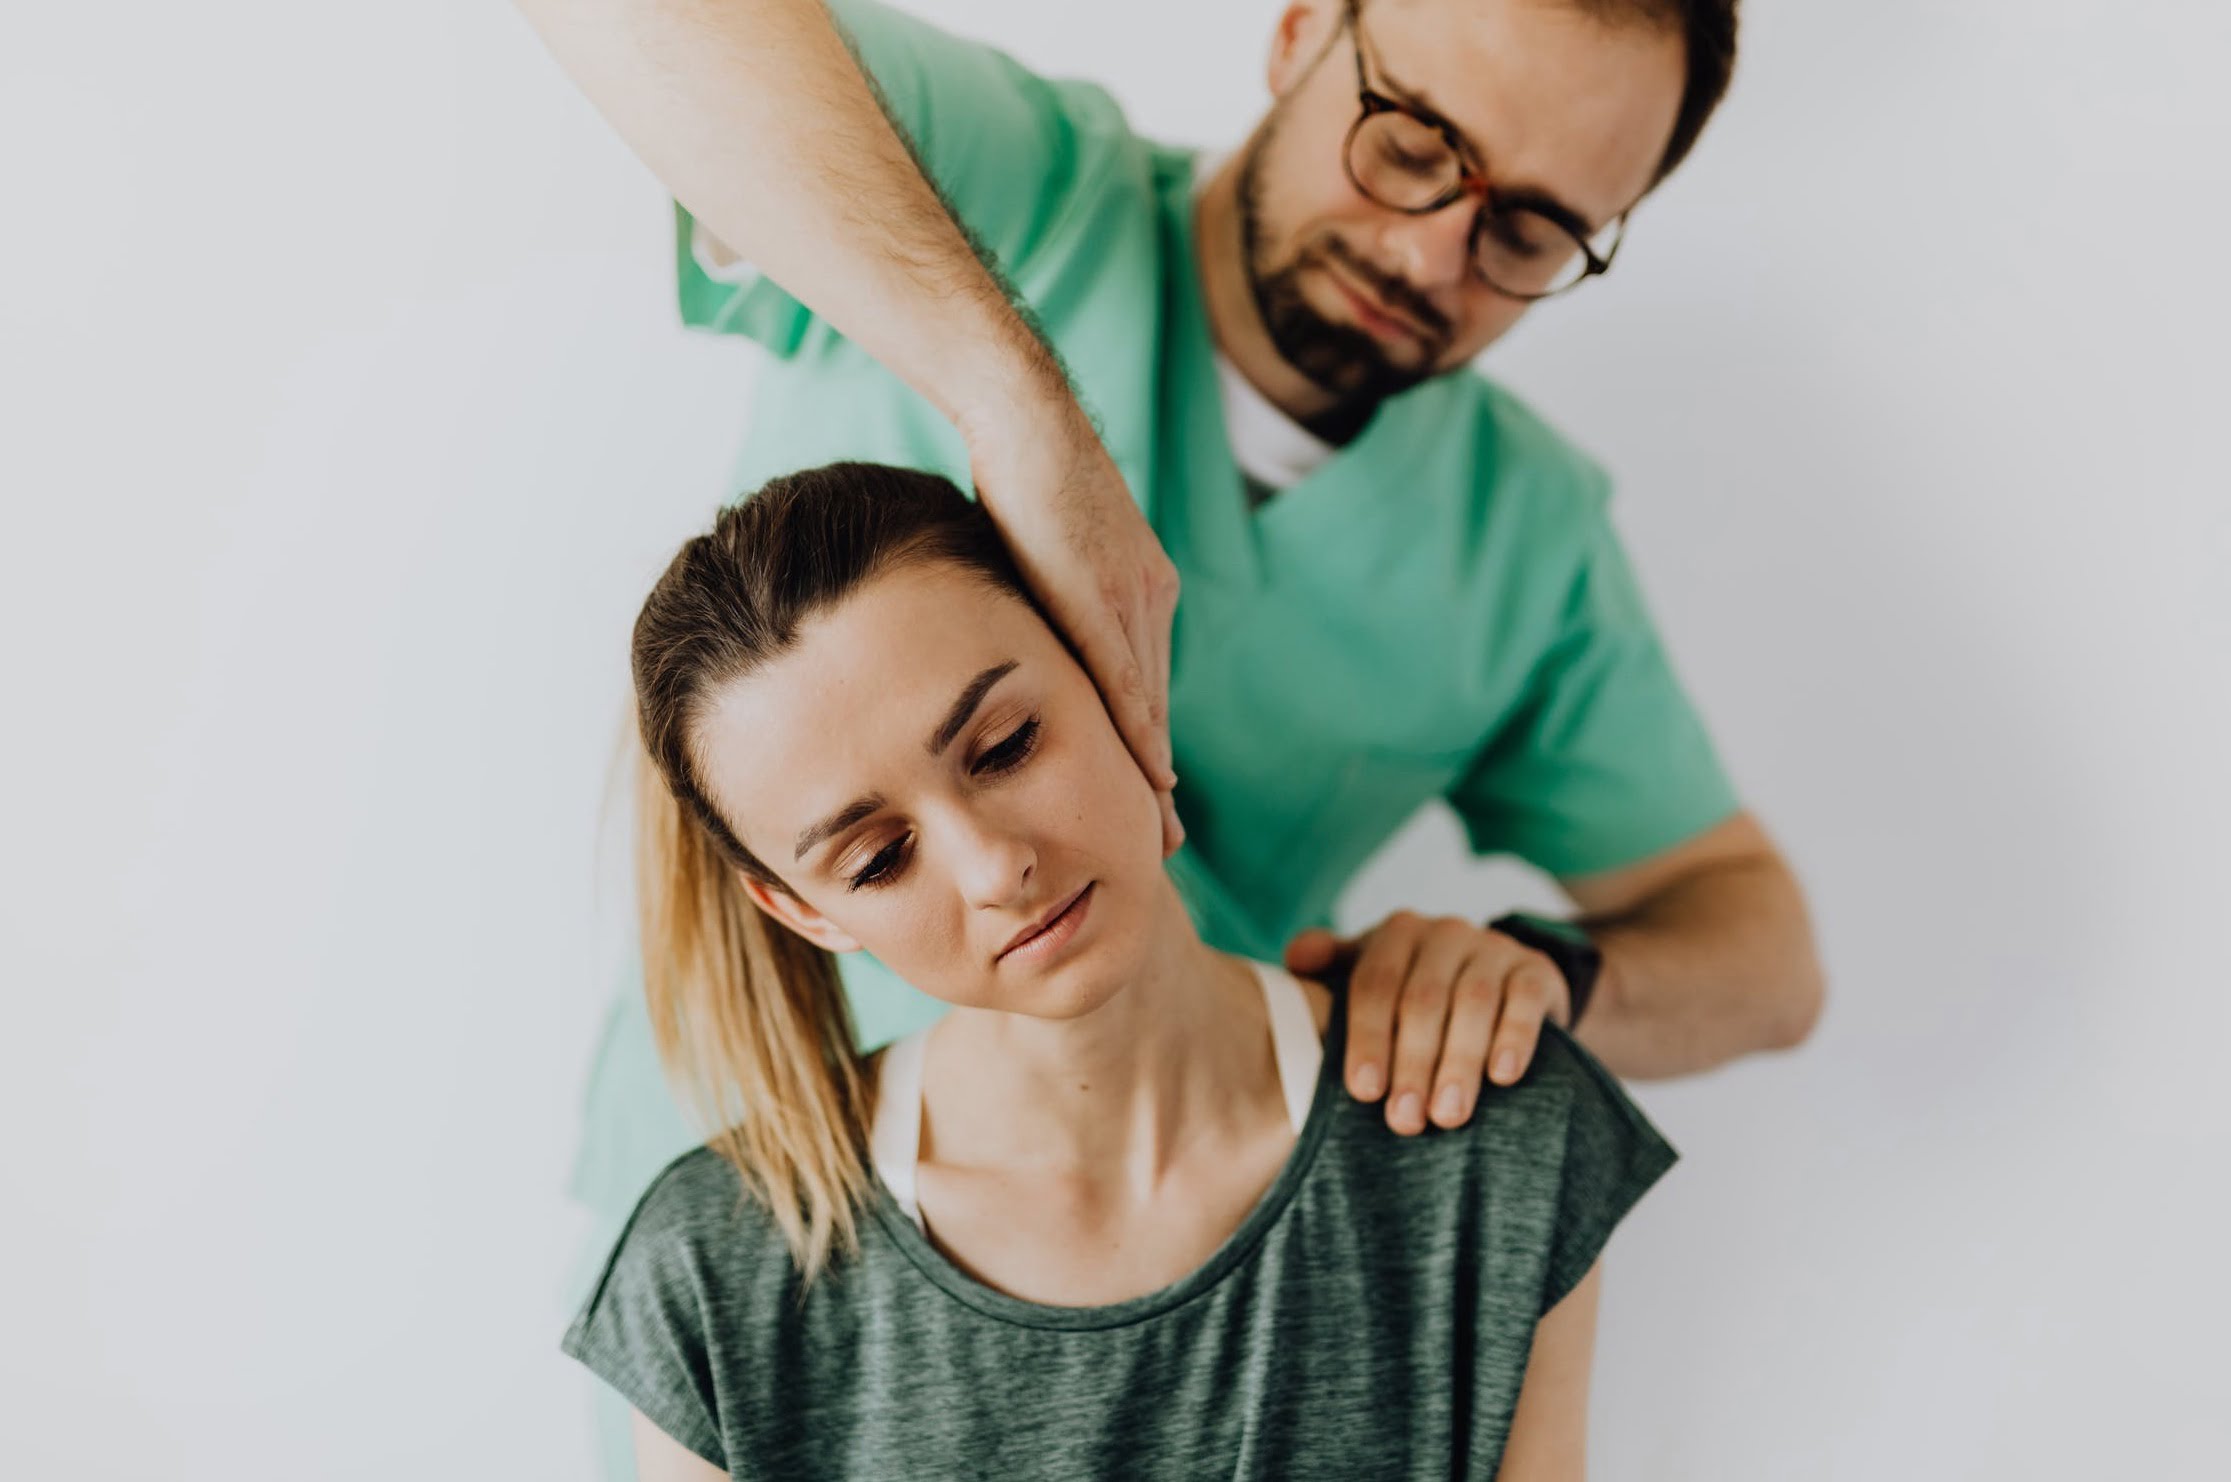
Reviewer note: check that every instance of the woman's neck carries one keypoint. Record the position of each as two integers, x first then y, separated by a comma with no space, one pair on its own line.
1179,1057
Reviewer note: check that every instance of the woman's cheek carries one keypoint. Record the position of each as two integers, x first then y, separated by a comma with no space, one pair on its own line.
904,928
1122,806
1105,792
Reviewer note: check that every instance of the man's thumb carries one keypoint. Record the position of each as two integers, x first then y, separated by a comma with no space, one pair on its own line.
1312,951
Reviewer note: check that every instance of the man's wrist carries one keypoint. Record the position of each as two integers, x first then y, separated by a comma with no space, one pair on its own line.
1008,388
1564,943
1043,444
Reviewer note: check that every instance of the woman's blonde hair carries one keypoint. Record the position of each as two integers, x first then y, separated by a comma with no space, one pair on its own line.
749,1017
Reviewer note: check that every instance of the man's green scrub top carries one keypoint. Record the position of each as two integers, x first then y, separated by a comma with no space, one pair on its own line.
1440,610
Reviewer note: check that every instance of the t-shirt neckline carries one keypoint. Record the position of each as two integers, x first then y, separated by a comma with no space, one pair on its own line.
1237,1247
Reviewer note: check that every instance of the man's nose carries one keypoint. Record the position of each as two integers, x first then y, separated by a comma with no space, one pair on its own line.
1434,251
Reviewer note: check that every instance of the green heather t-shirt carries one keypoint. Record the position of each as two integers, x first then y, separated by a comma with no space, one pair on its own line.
1441,611
1370,1318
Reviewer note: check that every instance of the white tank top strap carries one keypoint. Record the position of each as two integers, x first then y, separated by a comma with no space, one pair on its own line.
895,1140
1293,1040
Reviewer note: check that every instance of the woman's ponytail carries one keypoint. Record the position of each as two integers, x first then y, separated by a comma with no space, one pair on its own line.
751,1022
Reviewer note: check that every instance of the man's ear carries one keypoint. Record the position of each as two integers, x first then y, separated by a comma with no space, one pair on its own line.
1298,39
798,916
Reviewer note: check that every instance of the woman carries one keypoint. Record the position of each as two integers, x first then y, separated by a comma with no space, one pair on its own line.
1113,1216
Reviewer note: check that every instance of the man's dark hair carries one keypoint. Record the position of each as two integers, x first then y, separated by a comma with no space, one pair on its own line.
1707,30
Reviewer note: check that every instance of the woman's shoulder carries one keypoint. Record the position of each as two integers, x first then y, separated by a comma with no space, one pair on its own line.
1595,1097
1608,1155
1567,1109
1543,1172
696,1270
1564,1084
697,1189
697,1228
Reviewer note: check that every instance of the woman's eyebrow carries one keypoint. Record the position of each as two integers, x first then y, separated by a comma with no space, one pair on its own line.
837,822
964,706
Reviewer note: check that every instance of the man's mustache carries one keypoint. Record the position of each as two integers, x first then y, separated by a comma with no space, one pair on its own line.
1396,293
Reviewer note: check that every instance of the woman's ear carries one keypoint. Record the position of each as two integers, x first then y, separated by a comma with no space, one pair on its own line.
798,916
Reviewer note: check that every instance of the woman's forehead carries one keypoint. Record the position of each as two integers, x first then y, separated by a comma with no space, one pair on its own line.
861,695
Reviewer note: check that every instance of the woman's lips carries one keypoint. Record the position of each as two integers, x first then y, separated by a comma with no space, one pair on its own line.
1050,938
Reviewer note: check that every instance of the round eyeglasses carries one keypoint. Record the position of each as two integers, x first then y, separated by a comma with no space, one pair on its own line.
1416,165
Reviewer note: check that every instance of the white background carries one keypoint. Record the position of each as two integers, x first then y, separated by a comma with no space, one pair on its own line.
343,421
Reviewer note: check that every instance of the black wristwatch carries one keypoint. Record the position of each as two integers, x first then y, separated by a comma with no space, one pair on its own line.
1562,943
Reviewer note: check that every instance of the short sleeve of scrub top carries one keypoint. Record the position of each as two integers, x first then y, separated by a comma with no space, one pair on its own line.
1603,762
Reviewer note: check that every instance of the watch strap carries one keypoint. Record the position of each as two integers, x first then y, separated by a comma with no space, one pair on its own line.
1563,943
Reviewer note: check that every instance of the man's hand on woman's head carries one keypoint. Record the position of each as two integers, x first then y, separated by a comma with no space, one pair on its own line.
1096,566
1444,1002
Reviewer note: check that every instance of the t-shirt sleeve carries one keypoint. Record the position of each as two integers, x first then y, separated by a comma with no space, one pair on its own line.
1604,762
1612,1157
999,142
643,1328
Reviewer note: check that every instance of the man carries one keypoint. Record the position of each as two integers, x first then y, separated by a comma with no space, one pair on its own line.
1397,583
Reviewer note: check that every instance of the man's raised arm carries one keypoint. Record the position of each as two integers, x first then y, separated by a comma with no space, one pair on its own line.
756,116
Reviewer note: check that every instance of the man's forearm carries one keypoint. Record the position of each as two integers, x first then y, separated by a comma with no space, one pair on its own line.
1716,964
756,116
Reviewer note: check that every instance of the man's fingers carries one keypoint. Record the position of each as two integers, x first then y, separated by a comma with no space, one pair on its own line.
1382,967
1100,572
1315,950
1123,689
1473,1005
1141,614
1153,642
1421,1014
1173,831
1432,1007
1527,994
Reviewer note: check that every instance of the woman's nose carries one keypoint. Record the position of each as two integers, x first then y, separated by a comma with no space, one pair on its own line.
996,867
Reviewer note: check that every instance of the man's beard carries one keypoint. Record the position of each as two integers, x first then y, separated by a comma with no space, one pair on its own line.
1341,359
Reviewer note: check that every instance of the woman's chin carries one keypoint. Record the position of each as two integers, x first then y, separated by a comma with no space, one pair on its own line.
1090,972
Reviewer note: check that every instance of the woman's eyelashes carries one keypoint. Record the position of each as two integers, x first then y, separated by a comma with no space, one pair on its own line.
1009,754
881,869
996,760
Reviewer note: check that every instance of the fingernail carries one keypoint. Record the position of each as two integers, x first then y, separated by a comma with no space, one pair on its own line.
1506,1066
1448,1104
1370,1084
1407,1110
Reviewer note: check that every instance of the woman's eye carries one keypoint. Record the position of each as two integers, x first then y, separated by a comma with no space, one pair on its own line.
881,869
1010,753
1004,757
